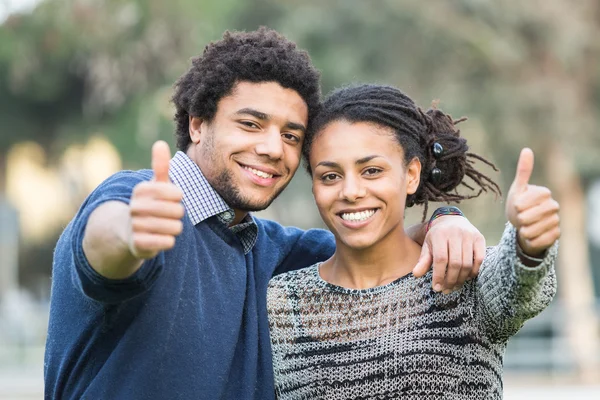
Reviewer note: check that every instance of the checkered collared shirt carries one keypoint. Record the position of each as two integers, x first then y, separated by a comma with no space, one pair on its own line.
201,201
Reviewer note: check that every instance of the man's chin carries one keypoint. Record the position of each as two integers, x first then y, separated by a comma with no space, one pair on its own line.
250,199
251,204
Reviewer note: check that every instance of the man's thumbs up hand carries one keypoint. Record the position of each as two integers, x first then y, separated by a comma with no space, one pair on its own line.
155,209
161,155
532,210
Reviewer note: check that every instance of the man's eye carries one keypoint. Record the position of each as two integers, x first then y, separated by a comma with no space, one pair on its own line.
290,137
250,124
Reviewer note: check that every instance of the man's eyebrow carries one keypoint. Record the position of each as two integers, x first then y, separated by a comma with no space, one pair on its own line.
254,113
295,126
266,117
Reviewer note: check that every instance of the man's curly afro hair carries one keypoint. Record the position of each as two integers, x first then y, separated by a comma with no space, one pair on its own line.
258,56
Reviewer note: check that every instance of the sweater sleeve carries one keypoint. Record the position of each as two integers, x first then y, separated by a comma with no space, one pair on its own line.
509,292
294,248
307,248
93,285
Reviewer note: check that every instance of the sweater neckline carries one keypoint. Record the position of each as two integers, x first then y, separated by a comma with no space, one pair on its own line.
357,292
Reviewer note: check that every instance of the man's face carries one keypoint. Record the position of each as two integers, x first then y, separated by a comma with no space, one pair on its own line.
251,149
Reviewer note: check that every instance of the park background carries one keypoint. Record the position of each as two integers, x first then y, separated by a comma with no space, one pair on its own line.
85,88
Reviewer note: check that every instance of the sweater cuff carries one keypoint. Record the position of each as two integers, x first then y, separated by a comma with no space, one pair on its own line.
98,287
524,274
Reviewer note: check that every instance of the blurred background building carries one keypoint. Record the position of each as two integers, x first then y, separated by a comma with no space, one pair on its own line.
85,88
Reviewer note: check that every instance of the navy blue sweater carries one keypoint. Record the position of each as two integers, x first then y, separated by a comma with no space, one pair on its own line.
189,324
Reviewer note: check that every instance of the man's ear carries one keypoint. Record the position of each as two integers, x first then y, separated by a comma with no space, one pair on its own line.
413,175
196,126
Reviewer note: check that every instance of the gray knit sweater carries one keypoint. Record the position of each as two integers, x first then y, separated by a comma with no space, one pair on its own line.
403,340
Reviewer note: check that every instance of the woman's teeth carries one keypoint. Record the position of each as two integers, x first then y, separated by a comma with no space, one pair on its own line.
358,216
258,173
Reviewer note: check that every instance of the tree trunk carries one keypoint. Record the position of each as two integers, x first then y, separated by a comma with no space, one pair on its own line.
576,288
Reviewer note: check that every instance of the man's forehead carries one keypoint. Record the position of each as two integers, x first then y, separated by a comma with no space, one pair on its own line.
269,98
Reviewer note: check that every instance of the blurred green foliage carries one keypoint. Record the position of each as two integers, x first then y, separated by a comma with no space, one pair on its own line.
526,73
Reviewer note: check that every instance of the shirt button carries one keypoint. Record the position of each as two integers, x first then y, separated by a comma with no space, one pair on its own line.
228,215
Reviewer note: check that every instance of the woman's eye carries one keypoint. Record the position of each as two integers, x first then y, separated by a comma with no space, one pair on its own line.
329,177
372,171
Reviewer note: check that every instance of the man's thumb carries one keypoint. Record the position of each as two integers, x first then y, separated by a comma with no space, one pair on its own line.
424,263
524,169
161,155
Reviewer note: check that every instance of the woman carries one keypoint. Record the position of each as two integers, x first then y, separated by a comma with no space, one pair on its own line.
361,325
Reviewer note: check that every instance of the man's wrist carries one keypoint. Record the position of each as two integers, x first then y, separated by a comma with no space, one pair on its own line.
443,211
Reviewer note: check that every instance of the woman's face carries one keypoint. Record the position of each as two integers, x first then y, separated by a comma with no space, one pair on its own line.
360,181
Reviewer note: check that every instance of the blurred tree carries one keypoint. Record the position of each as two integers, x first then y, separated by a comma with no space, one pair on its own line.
525,72
73,67
529,70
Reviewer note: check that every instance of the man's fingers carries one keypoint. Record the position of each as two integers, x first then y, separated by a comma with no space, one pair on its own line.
158,191
478,255
455,259
162,226
440,262
467,262
161,155
524,170
424,262
147,245
156,208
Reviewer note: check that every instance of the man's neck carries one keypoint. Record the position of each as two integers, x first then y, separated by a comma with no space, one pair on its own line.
239,217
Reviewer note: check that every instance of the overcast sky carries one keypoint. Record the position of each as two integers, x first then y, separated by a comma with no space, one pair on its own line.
8,7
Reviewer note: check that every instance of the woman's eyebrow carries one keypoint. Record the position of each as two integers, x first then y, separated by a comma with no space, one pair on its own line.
360,161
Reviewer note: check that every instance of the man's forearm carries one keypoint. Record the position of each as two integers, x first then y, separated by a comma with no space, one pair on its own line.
105,241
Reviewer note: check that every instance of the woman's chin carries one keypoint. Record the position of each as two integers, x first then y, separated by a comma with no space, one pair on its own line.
358,243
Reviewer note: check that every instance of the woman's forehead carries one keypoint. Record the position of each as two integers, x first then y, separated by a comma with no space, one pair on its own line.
344,139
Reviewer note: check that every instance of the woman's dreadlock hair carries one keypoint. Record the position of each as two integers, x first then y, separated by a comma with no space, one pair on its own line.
417,132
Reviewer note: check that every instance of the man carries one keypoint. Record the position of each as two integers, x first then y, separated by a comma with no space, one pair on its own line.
136,314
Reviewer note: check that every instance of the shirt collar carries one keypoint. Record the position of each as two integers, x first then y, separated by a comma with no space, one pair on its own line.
201,201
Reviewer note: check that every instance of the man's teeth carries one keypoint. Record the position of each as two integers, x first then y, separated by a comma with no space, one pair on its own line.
358,216
259,173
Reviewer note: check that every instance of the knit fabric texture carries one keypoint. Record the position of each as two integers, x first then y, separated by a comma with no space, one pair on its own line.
403,340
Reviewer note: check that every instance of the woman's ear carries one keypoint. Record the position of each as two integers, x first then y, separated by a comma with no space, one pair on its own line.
413,175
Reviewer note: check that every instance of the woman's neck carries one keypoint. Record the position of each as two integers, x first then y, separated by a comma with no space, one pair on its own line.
392,257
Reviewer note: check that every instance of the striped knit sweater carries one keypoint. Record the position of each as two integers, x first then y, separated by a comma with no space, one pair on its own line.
403,340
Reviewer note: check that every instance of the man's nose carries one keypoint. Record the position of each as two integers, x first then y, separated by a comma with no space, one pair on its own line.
271,144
